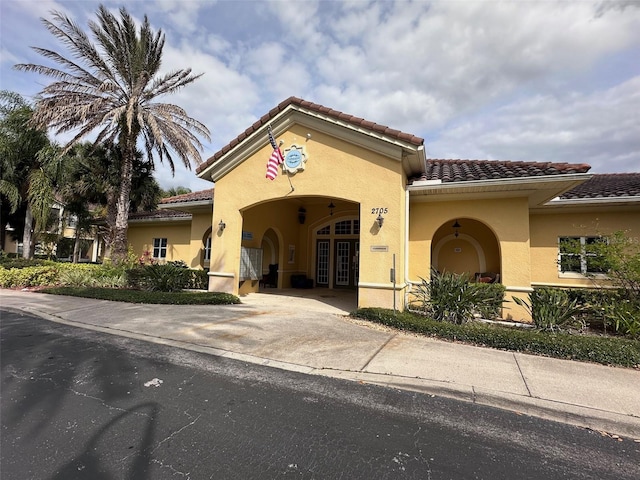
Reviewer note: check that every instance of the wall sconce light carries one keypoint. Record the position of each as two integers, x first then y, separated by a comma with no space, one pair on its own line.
302,215
456,226
380,220
222,226
331,206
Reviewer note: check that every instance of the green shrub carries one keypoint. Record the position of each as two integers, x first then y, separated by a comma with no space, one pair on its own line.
155,277
29,276
198,280
604,350
624,317
144,296
551,309
489,299
19,262
76,277
453,298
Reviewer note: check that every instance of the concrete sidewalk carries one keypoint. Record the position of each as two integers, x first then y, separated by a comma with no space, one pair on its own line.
313,336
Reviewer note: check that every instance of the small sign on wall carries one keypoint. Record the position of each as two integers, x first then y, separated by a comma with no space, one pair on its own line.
457,250
247,235
379,248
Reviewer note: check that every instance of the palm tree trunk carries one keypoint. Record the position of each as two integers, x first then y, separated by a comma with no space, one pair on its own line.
27,236
120,245
76,246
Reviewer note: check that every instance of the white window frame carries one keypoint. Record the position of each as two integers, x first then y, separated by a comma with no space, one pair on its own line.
583,273
207,249
160,248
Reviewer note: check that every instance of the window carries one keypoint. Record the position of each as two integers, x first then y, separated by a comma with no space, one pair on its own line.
343,227
159,248
207,249
250,263
324,230
581,255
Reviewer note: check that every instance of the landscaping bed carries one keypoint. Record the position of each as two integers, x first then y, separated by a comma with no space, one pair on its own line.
603,349
145,296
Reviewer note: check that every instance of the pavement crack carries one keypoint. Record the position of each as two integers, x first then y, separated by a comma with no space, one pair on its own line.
175,433
378,351
174,471
524,380
105,404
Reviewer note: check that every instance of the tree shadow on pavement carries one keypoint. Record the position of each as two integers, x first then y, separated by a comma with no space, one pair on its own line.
89,465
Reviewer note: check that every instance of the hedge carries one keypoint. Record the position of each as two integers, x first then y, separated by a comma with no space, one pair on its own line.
598,349
146,296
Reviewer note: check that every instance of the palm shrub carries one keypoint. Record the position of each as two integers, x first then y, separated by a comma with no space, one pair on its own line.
624,317
551,309
155,277
450,297
490,298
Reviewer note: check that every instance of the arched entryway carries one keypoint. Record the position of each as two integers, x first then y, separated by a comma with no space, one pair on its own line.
304,243
465,246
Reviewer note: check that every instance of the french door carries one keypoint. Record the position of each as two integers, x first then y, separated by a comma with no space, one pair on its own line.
346,263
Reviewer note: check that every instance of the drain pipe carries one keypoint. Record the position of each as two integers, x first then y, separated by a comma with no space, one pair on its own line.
407,285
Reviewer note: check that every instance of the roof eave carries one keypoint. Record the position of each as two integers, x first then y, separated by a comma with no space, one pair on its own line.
438,186
539,189
186,218
183,205
594,201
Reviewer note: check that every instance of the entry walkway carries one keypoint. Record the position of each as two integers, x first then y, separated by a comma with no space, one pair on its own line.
314,337
332,301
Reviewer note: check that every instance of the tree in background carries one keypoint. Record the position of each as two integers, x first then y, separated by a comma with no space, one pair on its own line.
175,191
93,184
30,170
111,87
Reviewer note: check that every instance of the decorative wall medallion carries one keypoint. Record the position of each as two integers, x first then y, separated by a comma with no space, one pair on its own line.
294,159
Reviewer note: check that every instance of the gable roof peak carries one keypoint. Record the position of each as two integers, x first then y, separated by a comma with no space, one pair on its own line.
317,109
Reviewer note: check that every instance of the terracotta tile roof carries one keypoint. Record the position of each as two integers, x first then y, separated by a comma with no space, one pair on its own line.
200,196
474,170
607,186
329,112
158,214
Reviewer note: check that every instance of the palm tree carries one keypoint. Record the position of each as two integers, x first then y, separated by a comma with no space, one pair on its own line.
29,169
111,88
93,182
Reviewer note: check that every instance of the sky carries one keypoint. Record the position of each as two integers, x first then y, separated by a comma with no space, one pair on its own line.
548,81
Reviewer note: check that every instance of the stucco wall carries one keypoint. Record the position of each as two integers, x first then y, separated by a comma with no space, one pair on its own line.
141,235
200,224
547,228
507,219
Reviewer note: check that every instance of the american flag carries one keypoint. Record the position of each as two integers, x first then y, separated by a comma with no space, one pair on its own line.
275,159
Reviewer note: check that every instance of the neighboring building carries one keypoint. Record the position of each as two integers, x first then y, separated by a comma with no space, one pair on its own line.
58,239
354,200
180,229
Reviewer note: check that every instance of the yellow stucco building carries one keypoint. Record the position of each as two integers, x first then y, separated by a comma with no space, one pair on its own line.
356,205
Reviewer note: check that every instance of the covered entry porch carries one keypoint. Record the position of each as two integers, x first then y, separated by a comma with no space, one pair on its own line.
301,244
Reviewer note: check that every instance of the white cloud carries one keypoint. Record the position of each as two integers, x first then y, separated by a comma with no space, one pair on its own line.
477,79
599,128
